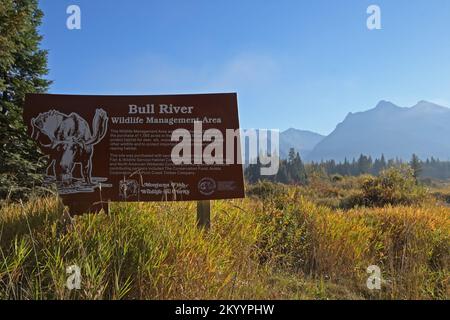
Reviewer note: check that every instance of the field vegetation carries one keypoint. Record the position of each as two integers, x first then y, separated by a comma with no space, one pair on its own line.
282,242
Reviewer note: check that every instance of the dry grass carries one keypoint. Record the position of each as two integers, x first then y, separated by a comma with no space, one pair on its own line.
284,247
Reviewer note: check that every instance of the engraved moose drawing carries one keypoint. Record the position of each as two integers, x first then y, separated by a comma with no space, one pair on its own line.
68,140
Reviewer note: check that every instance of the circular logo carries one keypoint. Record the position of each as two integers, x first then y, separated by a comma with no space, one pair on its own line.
207,186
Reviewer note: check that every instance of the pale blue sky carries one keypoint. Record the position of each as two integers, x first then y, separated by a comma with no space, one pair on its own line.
302,64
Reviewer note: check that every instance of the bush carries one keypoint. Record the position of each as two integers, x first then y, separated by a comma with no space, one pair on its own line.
265,190
394,186
337,178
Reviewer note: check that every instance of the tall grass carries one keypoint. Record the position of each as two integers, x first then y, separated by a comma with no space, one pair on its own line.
284,247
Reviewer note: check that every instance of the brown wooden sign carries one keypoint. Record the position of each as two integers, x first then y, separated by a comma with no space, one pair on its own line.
120,148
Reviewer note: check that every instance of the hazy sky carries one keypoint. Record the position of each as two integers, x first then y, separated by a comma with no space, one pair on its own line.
302,64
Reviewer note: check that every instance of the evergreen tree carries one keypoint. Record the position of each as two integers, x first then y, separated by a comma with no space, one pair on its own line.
354,168
378,165
383,162
364,164
346,168
282,175
390,163
253,172
291,156
297,171
416,165
22,68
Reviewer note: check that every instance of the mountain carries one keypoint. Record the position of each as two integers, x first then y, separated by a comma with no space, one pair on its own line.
391,130
302,141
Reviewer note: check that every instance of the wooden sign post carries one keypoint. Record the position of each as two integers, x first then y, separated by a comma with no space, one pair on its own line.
204,214
103,149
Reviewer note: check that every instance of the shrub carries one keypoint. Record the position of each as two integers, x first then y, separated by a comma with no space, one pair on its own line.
336,178
266,190
394,186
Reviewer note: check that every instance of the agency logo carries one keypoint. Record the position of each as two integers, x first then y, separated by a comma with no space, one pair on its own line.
128,189
207,186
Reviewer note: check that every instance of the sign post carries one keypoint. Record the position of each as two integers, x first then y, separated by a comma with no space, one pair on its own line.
204,214
103,149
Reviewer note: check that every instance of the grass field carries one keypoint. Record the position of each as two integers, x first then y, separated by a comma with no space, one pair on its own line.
279,243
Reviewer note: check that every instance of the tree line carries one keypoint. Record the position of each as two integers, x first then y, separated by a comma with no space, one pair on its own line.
429,168
294,171
291,171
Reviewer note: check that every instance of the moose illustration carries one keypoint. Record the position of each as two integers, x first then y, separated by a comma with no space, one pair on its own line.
68,140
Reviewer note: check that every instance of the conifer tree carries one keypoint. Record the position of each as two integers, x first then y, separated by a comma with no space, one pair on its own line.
416,166
23,66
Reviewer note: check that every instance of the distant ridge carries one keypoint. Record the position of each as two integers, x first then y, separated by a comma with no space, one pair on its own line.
391,130
301,140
